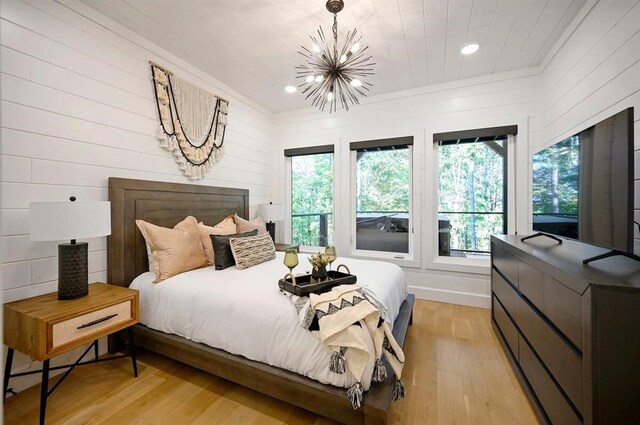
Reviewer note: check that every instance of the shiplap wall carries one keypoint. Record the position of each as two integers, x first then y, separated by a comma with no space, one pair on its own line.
501,99
593,75
77,108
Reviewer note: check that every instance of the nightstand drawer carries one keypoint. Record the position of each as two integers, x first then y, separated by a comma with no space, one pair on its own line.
89,323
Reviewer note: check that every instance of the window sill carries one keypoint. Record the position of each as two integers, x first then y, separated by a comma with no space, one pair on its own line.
390,258
463,265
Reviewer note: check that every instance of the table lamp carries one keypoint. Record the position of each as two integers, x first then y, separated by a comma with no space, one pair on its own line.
271,212
58,221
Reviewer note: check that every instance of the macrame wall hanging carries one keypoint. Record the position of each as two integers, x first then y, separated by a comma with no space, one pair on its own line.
192,122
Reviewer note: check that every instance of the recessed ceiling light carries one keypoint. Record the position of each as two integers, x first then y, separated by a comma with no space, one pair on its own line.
290,89
469,48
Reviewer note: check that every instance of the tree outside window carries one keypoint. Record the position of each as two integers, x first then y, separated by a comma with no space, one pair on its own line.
383,199
471,194
312,199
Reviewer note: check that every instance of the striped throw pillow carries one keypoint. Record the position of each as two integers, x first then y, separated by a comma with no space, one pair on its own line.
252,250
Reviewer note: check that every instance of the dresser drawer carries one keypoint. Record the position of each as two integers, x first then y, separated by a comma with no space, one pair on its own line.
531,283
563,307
561,360
506,294
506,263
80,327
506,326
553,402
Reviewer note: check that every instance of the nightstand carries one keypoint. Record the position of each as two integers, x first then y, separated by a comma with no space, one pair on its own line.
43,327
285,246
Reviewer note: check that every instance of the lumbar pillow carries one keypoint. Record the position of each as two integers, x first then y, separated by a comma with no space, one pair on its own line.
252,250
225,227
223,257
174,250
247,226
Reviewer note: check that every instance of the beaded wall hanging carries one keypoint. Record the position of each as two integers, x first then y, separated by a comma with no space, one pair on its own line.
192,122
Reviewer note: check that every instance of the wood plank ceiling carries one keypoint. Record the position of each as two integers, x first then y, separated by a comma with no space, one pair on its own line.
251,45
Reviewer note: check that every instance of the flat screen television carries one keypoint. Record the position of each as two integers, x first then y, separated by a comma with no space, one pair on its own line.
583,185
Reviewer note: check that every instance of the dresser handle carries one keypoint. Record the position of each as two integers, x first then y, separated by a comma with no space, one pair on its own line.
95,322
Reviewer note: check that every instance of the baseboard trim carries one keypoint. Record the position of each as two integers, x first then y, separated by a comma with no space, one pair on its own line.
453,297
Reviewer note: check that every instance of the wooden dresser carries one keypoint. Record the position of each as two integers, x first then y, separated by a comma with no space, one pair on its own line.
571,330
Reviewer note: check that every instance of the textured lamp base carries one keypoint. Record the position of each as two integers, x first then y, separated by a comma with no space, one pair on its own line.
271,228
73,271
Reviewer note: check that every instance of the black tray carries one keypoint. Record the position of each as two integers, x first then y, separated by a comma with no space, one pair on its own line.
306,285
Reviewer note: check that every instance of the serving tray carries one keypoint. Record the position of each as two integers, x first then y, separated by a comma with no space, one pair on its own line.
305,285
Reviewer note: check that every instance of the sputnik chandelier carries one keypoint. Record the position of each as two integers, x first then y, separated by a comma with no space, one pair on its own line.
333,75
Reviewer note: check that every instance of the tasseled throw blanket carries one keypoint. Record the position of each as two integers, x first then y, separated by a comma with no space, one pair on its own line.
343,315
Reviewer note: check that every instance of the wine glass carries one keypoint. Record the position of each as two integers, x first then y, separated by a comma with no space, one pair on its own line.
290,259
330,252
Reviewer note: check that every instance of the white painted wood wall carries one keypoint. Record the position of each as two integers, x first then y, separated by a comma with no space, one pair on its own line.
77,108
594,74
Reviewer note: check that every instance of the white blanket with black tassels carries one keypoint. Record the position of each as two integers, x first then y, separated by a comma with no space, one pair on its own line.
344,314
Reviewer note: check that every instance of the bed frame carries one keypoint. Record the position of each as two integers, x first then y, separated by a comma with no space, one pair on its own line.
166,204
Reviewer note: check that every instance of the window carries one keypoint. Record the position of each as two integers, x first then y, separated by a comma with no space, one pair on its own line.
383,221
472,190
311,196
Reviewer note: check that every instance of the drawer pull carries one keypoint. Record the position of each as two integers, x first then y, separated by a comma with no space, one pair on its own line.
95,322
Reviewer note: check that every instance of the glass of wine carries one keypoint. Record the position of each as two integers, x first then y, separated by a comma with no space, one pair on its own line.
330,251
290,259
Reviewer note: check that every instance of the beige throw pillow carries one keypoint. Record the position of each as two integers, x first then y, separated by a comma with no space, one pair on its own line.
174,250
225,227
252,250
247,226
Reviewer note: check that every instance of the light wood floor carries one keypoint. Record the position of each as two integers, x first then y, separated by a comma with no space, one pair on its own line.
456,373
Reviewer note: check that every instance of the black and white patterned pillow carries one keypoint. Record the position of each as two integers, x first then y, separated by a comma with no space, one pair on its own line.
252,250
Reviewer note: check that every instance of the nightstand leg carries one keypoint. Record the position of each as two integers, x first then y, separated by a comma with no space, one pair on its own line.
7,372
132,351
44,390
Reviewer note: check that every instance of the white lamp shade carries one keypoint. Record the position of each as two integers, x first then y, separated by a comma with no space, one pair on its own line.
58,221
271,212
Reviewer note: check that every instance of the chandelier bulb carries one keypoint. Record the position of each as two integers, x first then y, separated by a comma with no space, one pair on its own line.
319,78
330,96
356,83
310,79
315,48
355,47
343,58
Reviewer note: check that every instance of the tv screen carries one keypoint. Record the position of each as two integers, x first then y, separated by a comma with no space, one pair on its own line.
583,185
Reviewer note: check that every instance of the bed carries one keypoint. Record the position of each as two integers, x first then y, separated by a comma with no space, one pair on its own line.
165,204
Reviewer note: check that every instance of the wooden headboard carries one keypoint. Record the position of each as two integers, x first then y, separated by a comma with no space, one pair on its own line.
163,204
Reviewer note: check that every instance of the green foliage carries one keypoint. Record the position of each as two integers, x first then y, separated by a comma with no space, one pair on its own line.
470,179
382,180
382,185
311,197
555,178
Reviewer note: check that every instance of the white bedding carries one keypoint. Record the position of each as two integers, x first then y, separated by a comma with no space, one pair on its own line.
244,312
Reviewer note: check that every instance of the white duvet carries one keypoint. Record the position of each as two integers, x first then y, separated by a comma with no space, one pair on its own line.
244,312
